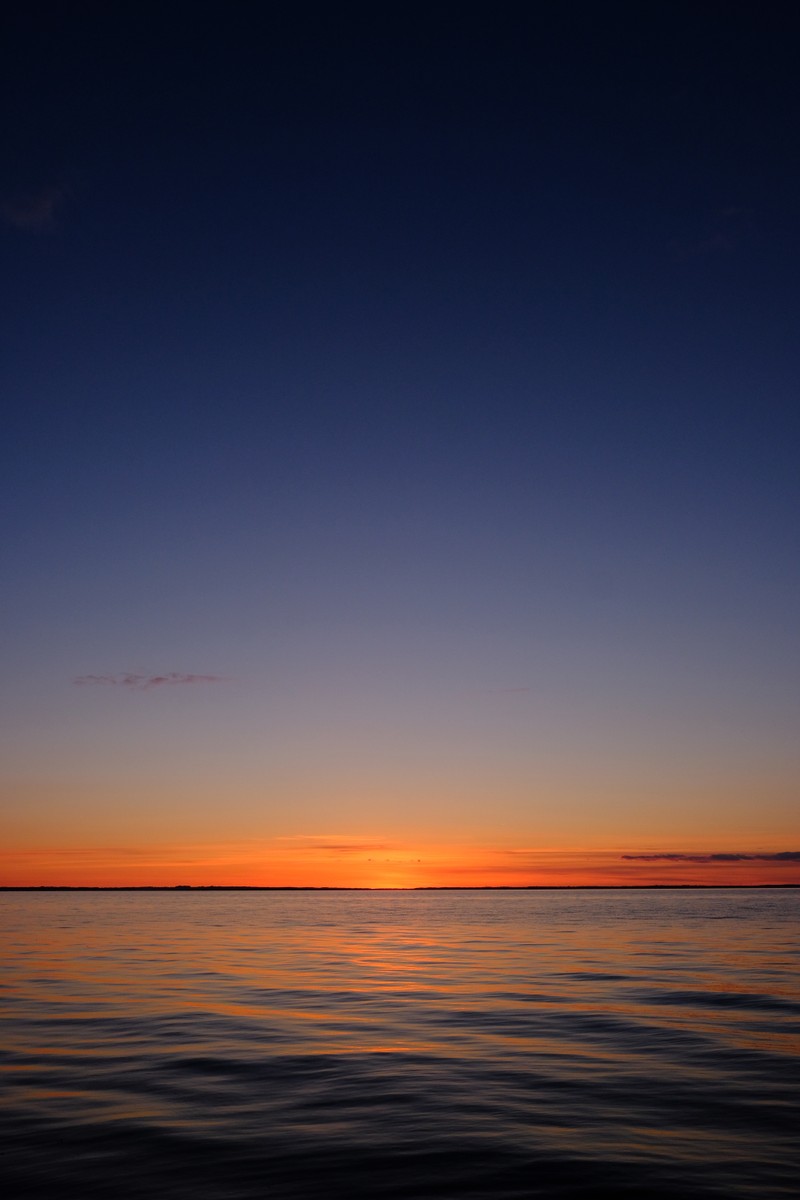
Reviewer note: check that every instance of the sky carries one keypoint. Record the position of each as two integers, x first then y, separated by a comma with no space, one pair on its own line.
400,441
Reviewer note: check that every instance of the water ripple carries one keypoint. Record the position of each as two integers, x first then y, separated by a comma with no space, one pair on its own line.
406,1046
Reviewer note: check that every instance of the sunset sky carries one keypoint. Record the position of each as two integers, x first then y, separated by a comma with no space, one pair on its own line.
400,445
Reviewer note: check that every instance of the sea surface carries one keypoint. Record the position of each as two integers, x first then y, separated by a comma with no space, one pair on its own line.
470,1044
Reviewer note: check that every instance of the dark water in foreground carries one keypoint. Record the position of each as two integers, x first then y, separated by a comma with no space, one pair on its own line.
410,1044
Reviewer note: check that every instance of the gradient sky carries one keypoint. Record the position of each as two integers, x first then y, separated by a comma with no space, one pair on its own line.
400,451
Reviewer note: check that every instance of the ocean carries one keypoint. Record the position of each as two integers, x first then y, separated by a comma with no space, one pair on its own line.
484,1045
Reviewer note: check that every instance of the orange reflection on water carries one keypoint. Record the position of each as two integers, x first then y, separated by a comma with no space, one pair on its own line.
355,972
573,1024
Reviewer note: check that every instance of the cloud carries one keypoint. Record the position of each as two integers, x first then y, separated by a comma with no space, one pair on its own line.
788,856
337,843
352,847
35,210
142,683
82,852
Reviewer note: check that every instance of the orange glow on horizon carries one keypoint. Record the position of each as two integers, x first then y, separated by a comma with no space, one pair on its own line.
366,862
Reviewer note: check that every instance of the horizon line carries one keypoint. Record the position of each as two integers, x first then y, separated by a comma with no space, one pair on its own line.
455,887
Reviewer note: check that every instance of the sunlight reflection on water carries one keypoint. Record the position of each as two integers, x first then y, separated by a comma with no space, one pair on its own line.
401,1044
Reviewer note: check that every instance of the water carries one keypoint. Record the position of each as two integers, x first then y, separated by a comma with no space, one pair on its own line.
272,1045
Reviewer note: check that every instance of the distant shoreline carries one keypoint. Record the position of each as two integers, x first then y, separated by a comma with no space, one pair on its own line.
529,887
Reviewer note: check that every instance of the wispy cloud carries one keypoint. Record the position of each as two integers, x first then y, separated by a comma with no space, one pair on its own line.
352,847
142,683
341,843
34,210
790,856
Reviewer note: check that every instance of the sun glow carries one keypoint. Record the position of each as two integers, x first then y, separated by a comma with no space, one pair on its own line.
357,861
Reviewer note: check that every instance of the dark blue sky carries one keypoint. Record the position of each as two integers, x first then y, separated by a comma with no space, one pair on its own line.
378,360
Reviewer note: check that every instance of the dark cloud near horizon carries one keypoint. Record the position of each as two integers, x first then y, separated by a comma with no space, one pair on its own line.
790,856
145,682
